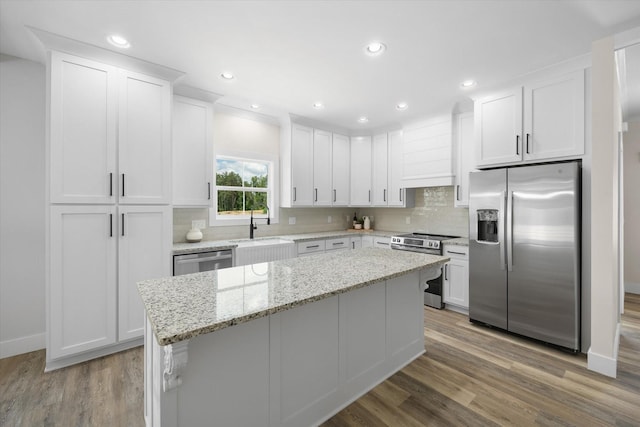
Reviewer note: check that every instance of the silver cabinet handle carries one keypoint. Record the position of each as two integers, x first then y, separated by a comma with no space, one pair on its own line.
369,195
208,190
400,191
110,225
445,272
384,195
334,194
457,253
122,185
294,194
110,184
316,194
517,145
122,217
313,246
527,143
337,243
458,192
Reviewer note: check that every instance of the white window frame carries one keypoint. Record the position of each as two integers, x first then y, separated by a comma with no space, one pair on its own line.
272,190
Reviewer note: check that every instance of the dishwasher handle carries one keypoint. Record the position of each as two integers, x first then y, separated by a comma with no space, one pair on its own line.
203,257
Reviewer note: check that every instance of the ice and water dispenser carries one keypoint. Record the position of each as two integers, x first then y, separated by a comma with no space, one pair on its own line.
487,225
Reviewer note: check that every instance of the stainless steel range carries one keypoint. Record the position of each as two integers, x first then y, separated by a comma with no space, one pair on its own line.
427,244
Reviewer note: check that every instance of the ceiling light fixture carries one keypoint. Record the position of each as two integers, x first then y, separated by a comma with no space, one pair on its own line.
227,76
375,48
318,105
118,41
255,106
401,106
468,83
363,119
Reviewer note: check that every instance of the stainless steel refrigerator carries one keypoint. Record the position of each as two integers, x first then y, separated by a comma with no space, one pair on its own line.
524,251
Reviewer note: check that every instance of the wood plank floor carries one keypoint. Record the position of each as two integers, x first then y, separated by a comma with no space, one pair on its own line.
469,376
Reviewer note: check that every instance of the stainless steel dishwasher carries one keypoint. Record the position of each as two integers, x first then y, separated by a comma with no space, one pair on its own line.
202,261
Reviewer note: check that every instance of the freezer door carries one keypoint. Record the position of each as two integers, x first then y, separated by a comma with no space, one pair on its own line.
543,256
487,265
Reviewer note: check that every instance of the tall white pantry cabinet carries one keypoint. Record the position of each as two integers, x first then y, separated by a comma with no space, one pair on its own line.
109,220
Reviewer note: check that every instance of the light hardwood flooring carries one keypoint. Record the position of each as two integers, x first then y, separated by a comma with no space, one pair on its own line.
469,376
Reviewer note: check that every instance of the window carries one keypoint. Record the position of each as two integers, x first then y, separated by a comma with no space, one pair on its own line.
244,185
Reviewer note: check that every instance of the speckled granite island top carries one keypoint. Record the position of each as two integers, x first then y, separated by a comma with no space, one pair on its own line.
182,307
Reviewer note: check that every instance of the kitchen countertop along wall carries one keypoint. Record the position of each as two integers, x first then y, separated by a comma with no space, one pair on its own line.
205,246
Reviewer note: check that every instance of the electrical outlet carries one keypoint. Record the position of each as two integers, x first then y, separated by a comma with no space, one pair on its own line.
200,223
348,218
407,220
329,219
292,220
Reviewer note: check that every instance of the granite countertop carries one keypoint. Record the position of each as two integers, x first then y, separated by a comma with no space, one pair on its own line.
460,241
183,307
205,246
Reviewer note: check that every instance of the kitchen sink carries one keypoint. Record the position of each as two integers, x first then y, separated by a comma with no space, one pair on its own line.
261,242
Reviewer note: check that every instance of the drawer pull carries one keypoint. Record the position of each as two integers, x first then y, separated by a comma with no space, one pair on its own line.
457,253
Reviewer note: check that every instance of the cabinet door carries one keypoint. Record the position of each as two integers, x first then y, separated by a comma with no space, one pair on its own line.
301,165
395,192
554,117
379,170
144,144
192,147
340,170
356,242
498,127
322,194
83,125
382,242
82,284
465,158
456,283
144,236
367,241
361,171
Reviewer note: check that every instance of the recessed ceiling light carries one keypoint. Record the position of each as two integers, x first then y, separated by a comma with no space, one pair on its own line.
318,105
118,41
227,76
363,119
468,83
375,48
401,106
255,106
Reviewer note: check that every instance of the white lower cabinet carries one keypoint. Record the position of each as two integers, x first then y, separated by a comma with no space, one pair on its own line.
311,247
382,242
144,244
456,276
82,291
339,243
97,254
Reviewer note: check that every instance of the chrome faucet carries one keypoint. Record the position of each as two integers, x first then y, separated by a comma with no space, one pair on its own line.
253,226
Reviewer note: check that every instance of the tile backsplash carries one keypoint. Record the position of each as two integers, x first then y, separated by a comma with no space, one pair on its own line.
434,212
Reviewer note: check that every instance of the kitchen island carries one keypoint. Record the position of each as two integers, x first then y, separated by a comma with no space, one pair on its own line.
285,343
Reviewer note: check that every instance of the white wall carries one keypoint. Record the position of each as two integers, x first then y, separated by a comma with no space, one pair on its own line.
632,207
605,311
22,206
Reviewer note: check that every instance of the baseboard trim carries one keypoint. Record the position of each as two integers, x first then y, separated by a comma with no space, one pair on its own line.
632,287
52,365
605,365
22,345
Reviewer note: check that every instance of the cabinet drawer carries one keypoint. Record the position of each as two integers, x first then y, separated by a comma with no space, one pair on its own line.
456,251
314,246
382,242
338,243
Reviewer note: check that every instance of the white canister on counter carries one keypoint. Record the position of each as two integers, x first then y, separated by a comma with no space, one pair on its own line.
194,235
367,223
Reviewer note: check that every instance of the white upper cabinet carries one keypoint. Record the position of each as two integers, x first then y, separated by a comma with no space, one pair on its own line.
144,241
93,106
397,195
427,154
322,190
379,179
498,127
301,165
465,157
340,170
543,120
554,117
83,130
192,146
361,171
144,148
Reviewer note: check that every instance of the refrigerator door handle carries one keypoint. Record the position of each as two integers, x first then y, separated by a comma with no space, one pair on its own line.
509,230
501,224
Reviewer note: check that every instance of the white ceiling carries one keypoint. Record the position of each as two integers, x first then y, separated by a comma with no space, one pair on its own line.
288,54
